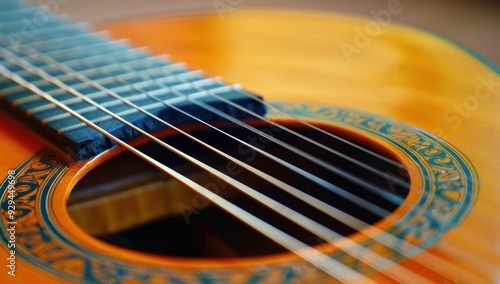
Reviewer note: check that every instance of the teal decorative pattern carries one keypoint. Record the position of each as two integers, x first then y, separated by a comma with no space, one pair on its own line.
450,187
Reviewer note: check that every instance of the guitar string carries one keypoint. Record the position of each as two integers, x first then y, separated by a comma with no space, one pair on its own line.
360,252
315,257
308,197
61,85
324,164
255,97
382,192
353,198
57,92
388,195
327,133
394,179
332,135
470,277
368,151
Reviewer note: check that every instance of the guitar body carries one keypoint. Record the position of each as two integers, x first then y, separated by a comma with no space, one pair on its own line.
316,66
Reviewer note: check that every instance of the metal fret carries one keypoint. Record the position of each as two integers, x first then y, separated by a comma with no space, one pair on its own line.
124,56
136,92
151,108
73,40
64,29
53,41
105,77
19,29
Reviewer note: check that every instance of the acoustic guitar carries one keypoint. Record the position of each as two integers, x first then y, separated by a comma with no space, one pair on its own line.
357,151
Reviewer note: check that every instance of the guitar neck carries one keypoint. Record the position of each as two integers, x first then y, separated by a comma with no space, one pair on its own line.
46,55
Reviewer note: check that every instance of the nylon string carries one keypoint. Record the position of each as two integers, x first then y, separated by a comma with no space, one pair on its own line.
322,233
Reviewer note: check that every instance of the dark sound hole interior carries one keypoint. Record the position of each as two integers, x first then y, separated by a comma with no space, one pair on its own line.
148,211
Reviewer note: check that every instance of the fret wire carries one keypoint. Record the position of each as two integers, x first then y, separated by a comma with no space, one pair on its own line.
69,101
52,31
82,110
72,39
131,111
94,95
116,66
99,56
94,47
110,56
96,58
72,53
5,39
15,41
321,261
15,27
56,36
104,118
11,91
127,112
60,92
75,61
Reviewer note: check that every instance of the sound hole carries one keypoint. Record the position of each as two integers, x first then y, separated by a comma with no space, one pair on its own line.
126,202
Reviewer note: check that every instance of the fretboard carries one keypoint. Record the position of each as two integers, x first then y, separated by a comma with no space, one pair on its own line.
66,52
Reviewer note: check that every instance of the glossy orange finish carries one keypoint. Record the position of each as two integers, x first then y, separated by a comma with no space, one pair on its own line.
401,73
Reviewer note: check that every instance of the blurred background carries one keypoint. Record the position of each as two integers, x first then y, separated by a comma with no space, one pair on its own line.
476,24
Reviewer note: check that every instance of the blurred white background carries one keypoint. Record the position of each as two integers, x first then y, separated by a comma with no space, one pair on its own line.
475,24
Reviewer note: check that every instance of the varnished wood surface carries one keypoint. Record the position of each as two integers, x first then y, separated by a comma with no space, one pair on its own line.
405,74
